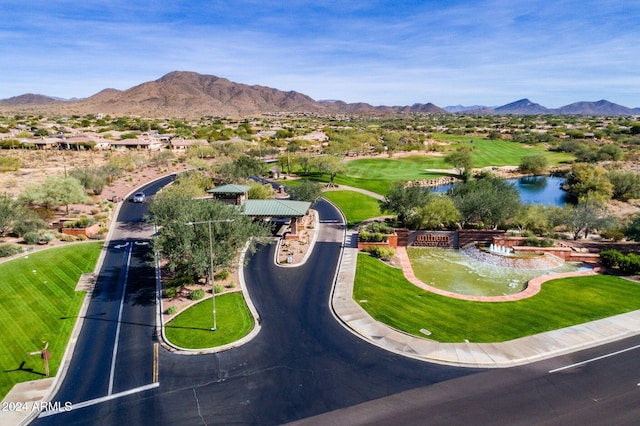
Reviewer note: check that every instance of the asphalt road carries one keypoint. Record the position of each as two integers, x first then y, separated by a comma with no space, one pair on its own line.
304,366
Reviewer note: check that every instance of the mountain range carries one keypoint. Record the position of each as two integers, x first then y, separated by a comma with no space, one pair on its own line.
189,94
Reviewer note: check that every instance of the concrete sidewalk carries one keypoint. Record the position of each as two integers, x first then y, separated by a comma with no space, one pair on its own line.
480,355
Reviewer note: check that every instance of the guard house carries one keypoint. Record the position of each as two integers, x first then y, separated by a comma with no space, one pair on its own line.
262,209
275,208
230,194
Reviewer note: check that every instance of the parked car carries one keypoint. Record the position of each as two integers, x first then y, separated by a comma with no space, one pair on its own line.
139,197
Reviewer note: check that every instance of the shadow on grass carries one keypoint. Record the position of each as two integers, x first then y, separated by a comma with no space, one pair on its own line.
26,370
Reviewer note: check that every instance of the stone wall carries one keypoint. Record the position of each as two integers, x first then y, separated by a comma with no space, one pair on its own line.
392,241
91,230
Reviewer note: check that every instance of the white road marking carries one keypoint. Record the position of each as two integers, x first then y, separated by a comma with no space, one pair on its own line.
115,344
99,400
595,359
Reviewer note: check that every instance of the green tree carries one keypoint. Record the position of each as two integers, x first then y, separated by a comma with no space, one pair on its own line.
162,158
610,152
286,162
186,247
462,161
91,178
9,211
439,212
534,164
260,192
580,218
332,166
306,164
531,217
241,168
306,190
626,185
632,230
54,192
403,200
488,201
588,182
27,221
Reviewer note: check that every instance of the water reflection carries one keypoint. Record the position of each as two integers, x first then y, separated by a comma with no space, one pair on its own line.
534,190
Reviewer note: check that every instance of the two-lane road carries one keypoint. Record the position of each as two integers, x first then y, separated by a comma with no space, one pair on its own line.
303,363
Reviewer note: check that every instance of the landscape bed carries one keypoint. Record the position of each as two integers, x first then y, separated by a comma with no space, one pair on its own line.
191,329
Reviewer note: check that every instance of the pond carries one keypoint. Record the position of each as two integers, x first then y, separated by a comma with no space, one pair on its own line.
456,271
534,190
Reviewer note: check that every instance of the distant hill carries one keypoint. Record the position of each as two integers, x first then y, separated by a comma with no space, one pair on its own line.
189,94
601,107
523,106
29,99
526,107
462,108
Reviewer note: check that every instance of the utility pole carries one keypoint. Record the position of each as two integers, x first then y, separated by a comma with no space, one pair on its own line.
213,289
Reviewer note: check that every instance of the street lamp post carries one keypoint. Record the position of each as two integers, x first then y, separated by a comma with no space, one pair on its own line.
213,289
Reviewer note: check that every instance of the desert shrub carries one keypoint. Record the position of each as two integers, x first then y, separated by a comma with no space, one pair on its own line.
66,237
81,237
7,250
379,227
221,275
613,234
83,222
610,258
31,238
532,241
630,264
172,310
9,164
47,237
372,237
30,223
196,294
384,253
98,236
218,288
171,292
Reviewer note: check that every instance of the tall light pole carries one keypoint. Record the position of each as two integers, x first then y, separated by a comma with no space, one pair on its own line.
213,289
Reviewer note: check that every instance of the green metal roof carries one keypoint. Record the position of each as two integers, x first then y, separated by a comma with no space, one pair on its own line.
229,189
275,208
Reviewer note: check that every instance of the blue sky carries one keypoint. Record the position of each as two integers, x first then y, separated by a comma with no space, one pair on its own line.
488,52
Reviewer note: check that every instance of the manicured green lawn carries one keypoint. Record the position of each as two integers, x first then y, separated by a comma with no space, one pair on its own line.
376,174
406,168
490,152
391,299
355,206
38,302
192,328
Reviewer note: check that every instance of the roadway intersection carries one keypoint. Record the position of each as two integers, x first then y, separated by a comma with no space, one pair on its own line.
304,366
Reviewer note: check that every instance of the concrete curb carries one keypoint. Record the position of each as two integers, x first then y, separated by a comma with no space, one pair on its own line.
511,353
57,380
316,224
247,297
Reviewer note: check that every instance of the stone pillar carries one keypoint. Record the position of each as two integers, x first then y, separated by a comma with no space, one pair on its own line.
294,226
